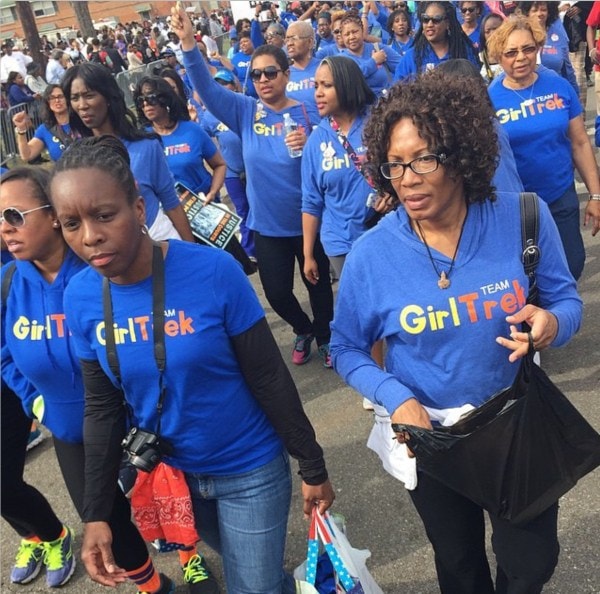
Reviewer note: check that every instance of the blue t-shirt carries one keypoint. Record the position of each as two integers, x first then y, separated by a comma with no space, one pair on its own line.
301,85
408,65
401,48
241,66
538,131
555,53
333,190
52,143
151,172
210,417
378,77
38,355
273,177
186,148
229,143
441,344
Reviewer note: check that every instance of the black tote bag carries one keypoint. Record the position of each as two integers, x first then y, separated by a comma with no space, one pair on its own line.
517,453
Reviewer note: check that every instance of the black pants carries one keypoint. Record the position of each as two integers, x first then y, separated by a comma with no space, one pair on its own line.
22,505
277,257
128,547
526,555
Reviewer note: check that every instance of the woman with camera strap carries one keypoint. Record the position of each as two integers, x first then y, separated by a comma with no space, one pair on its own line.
222,398
38,358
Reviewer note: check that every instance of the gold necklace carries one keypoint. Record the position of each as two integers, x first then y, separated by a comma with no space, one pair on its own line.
443,276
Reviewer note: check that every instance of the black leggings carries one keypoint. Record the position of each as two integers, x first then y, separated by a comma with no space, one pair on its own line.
277,257
128,547
22,505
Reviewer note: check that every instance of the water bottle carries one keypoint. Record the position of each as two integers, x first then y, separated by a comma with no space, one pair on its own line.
290,126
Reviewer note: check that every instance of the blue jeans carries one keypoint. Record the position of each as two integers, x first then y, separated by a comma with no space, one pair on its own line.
565,212
244,518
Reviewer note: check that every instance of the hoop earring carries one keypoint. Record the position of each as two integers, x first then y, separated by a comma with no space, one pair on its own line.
144,229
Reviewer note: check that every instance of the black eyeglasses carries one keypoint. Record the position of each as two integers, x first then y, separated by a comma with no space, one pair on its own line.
423,164
337,31
16,218
270,73
468,9
436,19
152,99
528,50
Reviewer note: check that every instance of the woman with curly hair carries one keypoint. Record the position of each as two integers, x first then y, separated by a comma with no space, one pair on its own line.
422,281
439,38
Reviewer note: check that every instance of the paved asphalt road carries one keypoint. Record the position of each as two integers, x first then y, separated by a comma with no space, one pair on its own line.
378,512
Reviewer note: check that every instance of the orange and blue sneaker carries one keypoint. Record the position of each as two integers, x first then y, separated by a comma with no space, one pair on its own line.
28,562
59,559
325,356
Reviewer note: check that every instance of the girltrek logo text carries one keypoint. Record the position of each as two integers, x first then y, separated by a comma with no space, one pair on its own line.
470,308
137,329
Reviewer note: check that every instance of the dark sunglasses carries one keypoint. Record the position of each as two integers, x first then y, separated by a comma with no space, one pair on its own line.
270,73
16,218
152,99
436,19
337,31
468,9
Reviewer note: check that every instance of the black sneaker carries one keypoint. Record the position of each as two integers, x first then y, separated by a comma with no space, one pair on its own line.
198,577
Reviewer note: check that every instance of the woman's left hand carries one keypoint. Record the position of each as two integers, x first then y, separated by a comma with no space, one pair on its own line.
296,140
321,496
592,215
385,203
544,327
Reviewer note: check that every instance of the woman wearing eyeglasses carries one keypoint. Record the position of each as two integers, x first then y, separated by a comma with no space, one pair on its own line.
420,281
542,115
54,134
99,108
187,146
471,13
336,30
439,38
38,357
273,183
376,62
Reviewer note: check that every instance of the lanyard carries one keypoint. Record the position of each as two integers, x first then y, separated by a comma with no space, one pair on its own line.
158,325
349,149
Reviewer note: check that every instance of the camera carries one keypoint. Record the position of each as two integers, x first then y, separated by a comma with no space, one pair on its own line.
144,449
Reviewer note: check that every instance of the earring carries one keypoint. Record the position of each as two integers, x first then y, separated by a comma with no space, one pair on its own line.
56,224
168,109
144,229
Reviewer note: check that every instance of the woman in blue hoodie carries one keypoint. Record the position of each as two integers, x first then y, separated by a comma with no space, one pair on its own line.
38,358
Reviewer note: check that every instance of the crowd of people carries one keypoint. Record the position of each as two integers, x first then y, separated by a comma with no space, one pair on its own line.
379,144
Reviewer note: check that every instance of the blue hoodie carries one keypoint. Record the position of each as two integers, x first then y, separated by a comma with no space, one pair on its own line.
37,352
441,344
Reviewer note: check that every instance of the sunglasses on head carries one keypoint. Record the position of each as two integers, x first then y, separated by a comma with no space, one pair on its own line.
436,19
16,218
468,9
270,73
152,99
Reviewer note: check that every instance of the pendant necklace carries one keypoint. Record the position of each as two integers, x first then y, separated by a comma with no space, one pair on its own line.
443,276
526,102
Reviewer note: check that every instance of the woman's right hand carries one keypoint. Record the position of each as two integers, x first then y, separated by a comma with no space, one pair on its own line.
311,270
21,120
410,412
182,26
97,555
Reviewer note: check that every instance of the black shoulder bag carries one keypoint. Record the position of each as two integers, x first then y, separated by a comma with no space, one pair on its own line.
526,446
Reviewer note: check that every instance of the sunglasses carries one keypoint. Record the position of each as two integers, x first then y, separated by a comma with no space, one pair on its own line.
270,73
56,98
436,19
468,9
15,218
528,50
152,99
337,31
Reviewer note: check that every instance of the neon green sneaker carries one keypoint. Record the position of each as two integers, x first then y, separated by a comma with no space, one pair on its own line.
59,560
198,577
28,562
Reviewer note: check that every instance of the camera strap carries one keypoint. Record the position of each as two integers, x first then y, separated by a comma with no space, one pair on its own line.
158,326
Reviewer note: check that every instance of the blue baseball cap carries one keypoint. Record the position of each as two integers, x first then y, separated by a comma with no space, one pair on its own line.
224,75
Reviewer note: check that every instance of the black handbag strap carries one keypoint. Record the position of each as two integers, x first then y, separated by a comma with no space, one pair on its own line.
530,230
158,324
7,280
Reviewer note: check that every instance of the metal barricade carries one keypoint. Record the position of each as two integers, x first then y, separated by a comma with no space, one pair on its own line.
9,142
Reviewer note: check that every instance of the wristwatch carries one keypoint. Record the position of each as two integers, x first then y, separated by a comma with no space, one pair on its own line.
595,197
21,132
